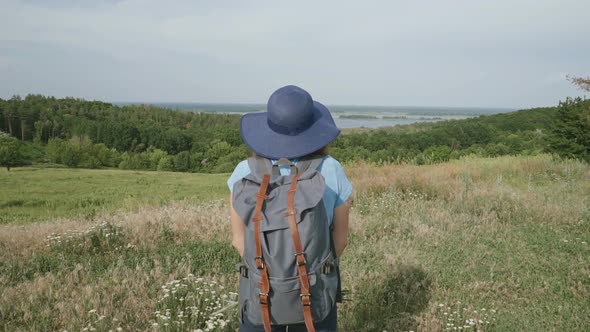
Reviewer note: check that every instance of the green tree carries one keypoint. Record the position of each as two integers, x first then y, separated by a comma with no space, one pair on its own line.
10,152
72,156
54,150
154,156
184,162
571,134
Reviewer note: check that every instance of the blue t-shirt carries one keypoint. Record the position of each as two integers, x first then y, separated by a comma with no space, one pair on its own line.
338,187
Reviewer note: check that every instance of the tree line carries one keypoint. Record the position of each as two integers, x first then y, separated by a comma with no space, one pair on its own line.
79,133
92,134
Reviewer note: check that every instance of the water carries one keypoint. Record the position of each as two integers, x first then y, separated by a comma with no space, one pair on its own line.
353,116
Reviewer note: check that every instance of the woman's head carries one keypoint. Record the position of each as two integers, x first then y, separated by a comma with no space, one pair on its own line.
294,125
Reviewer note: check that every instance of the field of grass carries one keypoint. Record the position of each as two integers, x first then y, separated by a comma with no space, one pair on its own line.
483,244
37,194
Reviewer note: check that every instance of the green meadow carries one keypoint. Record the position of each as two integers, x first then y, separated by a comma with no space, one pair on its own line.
41,194
476,244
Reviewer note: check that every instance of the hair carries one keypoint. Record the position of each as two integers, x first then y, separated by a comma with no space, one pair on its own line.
324,151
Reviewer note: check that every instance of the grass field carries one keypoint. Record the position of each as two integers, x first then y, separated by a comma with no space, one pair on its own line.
483,244
38,194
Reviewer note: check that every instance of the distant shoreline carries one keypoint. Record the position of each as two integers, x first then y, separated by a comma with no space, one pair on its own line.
347,116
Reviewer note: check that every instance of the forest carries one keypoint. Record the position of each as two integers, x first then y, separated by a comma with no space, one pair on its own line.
73,132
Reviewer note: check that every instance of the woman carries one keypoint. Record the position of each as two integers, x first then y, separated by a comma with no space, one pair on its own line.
293,128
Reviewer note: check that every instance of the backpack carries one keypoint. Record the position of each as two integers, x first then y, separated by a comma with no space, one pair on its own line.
289,270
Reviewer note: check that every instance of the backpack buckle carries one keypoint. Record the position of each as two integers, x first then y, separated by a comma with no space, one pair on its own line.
259,262
328,268
305,299
300,258
263,298
244,271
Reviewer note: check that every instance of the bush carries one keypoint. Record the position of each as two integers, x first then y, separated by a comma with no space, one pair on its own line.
10,152
165,164
54,150
71,155
437,154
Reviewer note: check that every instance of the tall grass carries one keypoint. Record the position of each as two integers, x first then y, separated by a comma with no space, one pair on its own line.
475,244
485,233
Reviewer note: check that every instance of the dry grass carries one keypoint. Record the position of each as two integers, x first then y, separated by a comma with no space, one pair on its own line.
125,286
489,233
430,246
144,226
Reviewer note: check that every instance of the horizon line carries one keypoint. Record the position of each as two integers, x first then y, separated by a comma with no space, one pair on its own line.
329,105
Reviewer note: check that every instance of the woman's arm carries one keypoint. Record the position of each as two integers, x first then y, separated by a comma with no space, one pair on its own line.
341,227
237,228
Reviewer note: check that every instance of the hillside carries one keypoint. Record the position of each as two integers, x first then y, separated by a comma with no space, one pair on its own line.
84,134
519,132
494,244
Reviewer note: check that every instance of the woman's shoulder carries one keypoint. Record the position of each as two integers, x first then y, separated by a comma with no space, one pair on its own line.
242,167
330,163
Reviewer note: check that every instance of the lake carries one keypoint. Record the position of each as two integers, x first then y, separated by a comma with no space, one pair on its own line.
347,116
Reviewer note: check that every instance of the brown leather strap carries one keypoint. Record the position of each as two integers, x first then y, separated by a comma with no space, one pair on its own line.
259,260
299,256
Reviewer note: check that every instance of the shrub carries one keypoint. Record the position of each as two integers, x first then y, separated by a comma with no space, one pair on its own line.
10,152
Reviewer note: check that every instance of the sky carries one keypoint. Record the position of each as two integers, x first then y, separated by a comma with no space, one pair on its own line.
459,53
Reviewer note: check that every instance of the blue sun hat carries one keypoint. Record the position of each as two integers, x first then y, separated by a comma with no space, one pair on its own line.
293,126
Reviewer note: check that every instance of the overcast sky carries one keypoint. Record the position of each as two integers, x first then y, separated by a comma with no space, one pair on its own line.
502,53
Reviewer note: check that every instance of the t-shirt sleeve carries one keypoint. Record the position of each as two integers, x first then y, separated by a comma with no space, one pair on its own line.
241,170
344,185
336,180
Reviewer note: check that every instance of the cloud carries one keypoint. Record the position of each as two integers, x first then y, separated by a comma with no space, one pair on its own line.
456,53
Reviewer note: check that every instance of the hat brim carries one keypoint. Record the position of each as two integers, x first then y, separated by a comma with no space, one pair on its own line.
261,139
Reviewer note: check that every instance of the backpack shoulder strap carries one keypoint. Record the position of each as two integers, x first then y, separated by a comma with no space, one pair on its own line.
259,259
300,257
311,162
262,164
258,167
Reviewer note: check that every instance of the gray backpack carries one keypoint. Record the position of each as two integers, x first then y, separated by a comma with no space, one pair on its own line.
289,270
